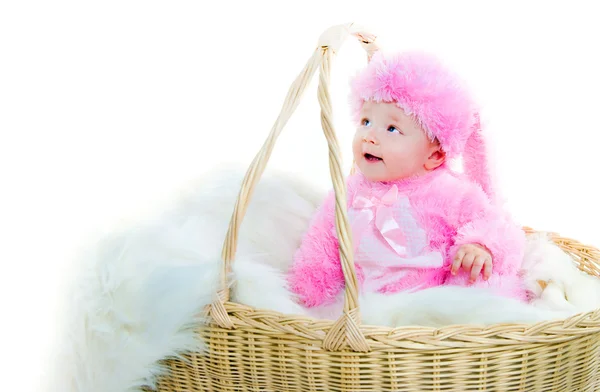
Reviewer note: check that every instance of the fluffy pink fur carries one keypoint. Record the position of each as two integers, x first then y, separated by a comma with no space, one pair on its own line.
452,210
476,161
421,86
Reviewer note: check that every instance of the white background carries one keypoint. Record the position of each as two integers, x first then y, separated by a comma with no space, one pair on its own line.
108,107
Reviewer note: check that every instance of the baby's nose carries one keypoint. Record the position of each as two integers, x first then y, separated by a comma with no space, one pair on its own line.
370,137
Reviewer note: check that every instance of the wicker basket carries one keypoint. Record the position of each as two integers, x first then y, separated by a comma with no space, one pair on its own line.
258,350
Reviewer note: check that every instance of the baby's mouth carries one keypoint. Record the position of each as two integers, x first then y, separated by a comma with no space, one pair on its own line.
372,158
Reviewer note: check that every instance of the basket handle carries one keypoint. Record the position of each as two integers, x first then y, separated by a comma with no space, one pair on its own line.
345,331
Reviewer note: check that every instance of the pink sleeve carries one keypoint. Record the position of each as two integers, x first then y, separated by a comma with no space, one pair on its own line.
316,274
480,222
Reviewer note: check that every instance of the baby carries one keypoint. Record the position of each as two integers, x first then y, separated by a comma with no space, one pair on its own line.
415,222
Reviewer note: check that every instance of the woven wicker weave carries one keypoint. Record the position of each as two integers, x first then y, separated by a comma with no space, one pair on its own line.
258,350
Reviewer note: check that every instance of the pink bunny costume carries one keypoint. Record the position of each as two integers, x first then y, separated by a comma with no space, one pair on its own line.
406,232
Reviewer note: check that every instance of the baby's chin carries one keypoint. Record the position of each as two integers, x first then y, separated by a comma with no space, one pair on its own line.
382,178
373,174
379,174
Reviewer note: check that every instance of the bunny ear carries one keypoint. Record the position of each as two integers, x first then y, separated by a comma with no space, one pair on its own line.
476,160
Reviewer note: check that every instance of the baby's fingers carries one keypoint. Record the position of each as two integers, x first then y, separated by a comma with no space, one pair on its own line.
468,261
487,271
457,261
478,265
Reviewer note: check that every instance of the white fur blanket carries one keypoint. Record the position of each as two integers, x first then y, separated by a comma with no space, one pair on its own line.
138,293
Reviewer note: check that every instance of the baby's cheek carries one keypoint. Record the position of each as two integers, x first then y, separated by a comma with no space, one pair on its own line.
355,149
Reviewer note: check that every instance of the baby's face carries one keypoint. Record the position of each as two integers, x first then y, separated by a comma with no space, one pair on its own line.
389,145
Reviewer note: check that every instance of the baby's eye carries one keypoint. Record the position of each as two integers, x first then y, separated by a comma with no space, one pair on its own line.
365,122
392,128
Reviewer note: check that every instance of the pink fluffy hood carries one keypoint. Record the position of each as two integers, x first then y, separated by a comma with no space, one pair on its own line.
437,98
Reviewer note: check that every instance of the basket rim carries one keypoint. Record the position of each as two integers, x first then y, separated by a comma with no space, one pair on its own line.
422,337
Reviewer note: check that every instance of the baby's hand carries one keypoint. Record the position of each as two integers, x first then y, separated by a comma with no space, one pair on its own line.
473,257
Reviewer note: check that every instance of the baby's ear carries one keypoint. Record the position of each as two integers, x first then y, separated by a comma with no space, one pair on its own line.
436,158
